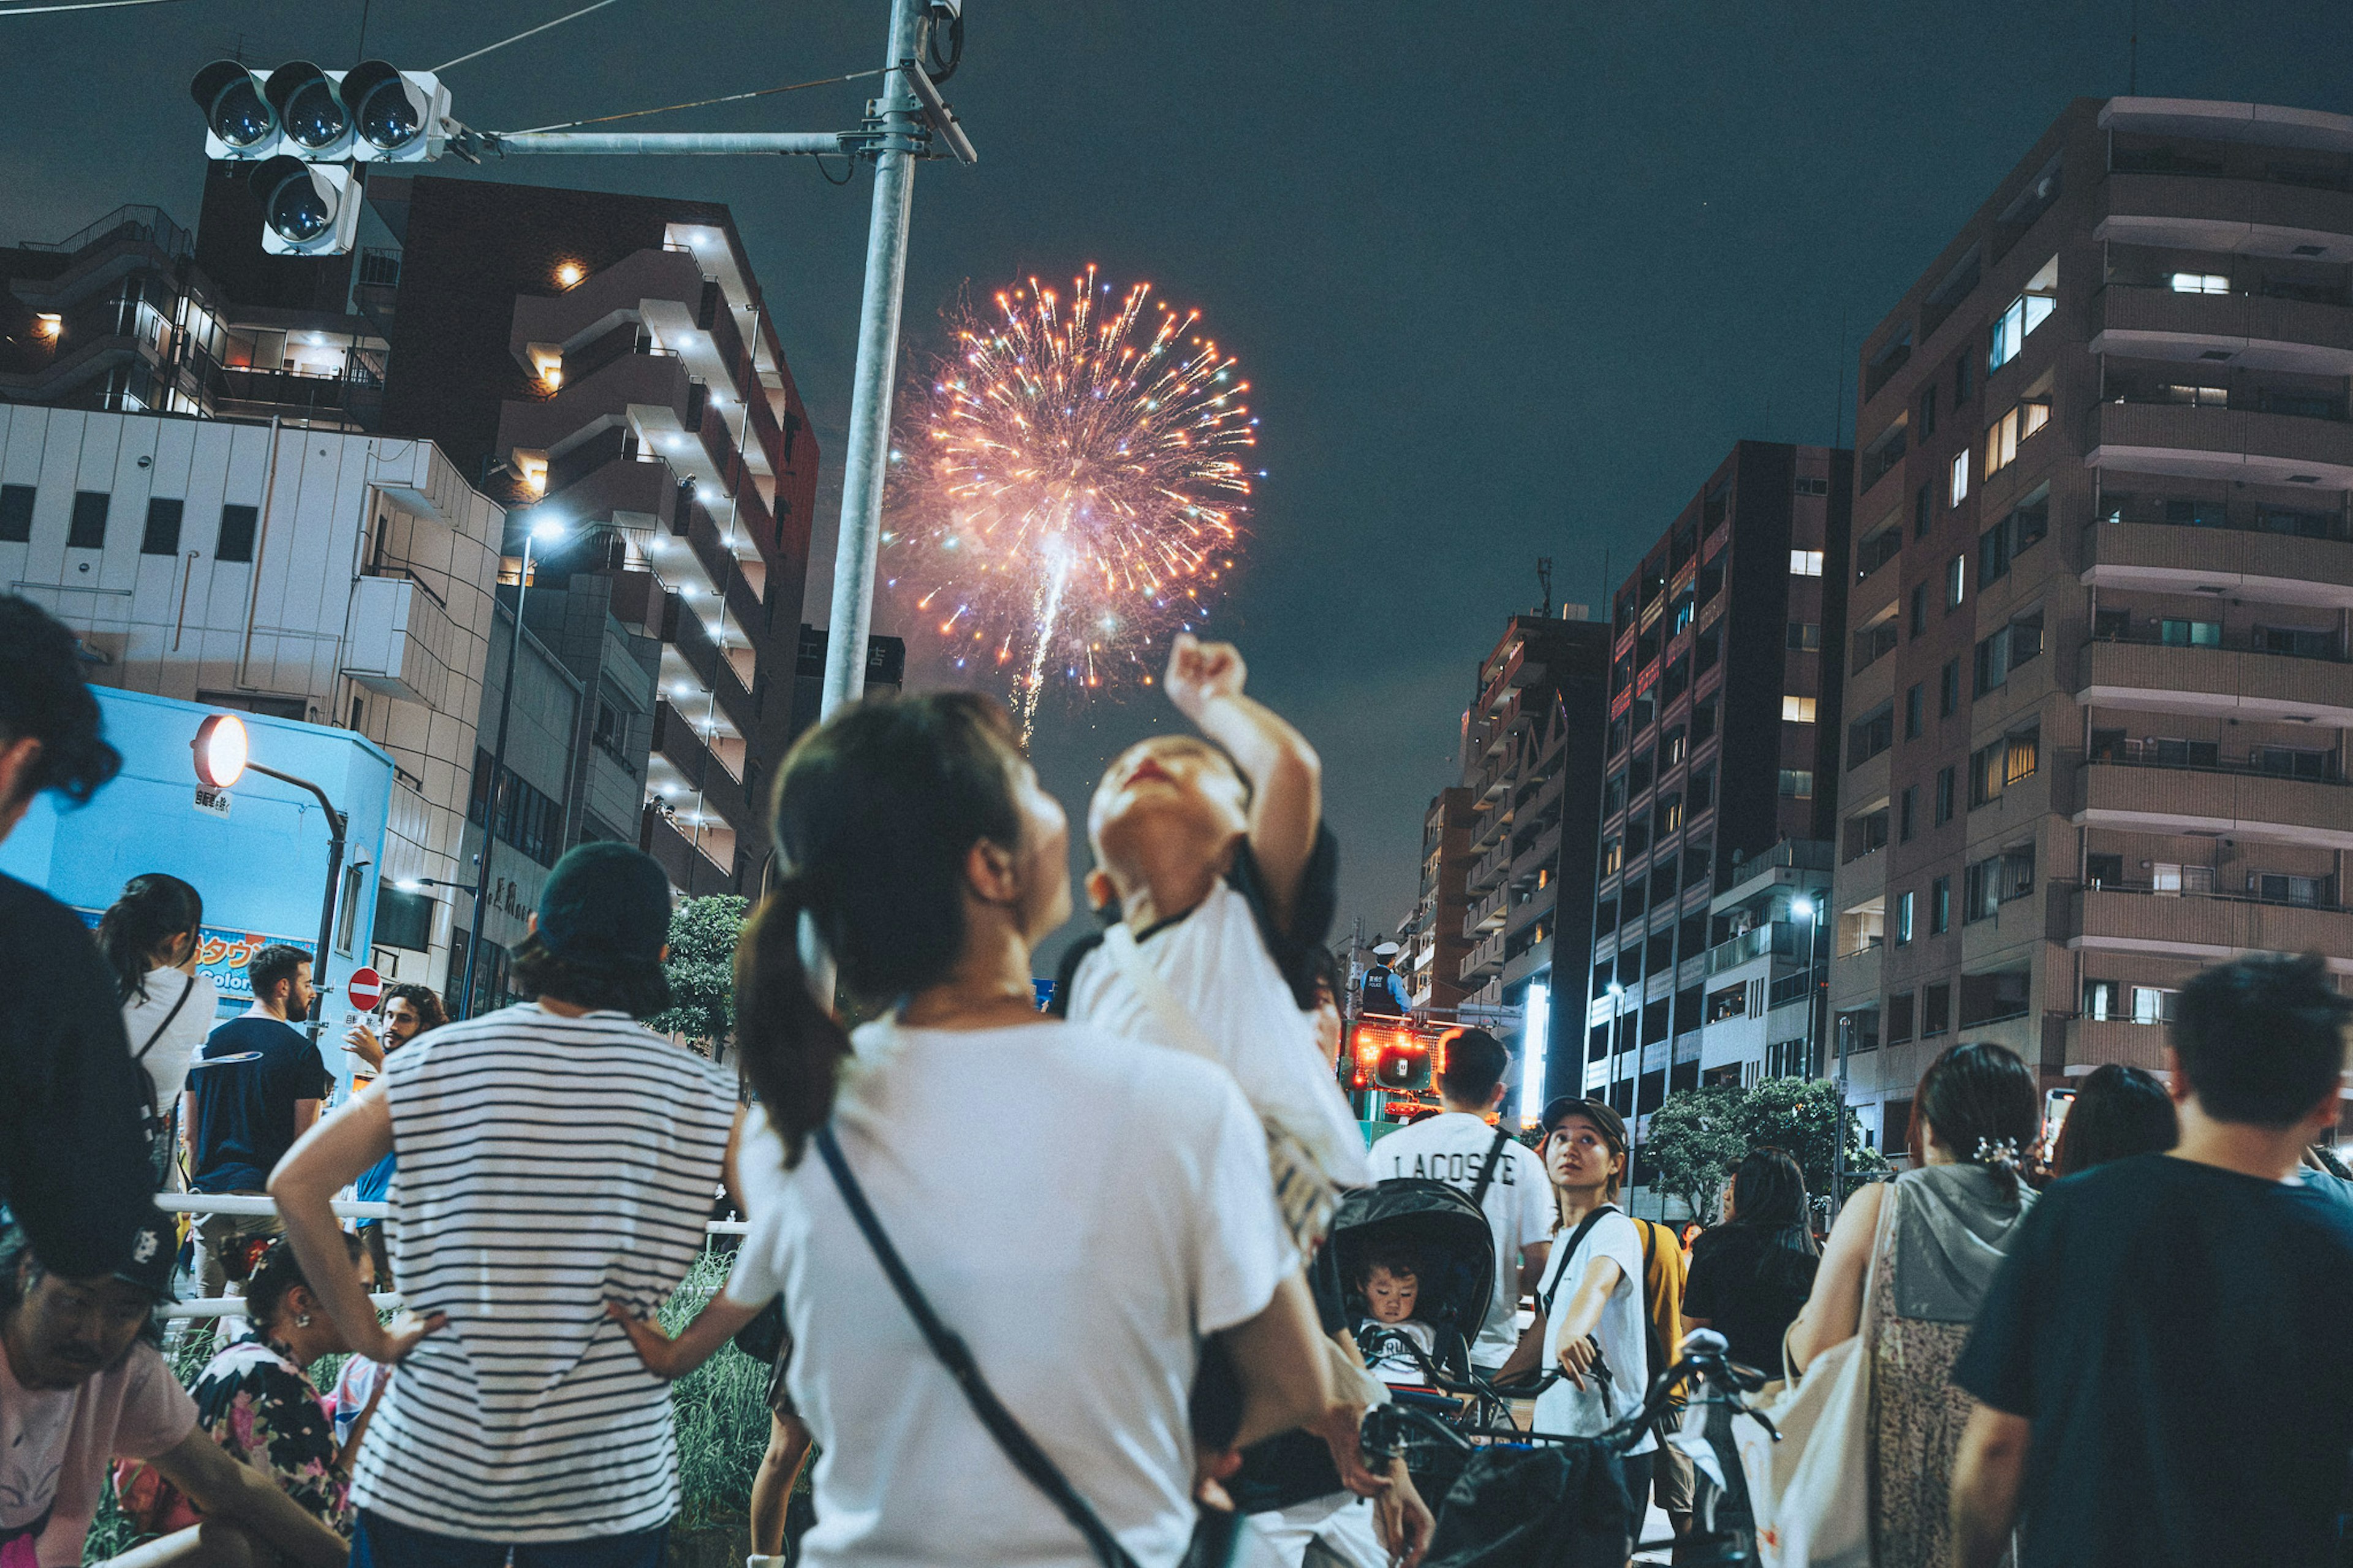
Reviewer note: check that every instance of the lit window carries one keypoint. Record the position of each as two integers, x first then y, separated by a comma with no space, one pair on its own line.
1903,906
1959,486
2025,314
2004,434
2200,283
1956,580
1797,710
1805,563
1798,784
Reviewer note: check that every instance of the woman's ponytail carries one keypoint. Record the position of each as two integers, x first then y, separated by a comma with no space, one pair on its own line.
792,1048
152,911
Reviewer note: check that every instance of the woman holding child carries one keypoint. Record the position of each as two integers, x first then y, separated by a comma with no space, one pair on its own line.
1079,1211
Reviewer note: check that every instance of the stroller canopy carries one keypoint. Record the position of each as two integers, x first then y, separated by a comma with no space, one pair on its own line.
1438,1223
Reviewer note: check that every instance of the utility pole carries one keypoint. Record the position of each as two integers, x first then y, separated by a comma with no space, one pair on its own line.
901,137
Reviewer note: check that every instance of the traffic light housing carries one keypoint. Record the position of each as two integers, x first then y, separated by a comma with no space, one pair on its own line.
311,117
240,124
307,209
1389,1058
396,116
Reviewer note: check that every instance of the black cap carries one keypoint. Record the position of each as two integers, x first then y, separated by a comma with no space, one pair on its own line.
605,902
155,1250
1600,1112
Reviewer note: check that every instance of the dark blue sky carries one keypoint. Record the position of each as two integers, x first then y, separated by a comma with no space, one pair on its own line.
1509,278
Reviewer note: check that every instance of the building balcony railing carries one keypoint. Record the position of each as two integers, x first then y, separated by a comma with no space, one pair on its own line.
633,381
1776,937
1483,961
1520,966
1544,849
1485,914
2177,558
2143,321
2229,443
1488,869
2115,672
679,737
2185,206
2242,801
690,870
2201,926
2082,1043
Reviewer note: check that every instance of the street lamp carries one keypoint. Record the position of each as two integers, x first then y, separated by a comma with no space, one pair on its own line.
224,755
546,528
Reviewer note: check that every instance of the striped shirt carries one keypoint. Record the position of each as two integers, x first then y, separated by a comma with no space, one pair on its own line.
547,1165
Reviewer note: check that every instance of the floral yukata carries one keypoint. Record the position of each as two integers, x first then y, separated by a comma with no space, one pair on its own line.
261,1407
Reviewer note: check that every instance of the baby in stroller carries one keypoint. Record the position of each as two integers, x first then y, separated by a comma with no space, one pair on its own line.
1390,1283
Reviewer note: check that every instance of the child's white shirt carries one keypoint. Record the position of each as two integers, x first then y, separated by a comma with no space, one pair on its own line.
1216,966
1397,1366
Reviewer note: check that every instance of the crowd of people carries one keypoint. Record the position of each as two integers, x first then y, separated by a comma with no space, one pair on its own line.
1045,1280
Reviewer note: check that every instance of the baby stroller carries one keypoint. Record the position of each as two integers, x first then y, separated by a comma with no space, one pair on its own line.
1504,1495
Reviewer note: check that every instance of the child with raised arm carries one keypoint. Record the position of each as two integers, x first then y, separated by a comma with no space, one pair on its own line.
1215,854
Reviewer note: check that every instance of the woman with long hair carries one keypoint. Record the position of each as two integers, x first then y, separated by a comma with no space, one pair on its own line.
152,937
1750,1276
1080,1209
2118,1112
1907,1265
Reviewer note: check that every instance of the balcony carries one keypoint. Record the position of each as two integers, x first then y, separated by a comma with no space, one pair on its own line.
2232,682
1538,957
1774,937
679,739
652,393
2236,444
2084,1043
1483,961
2240,802
2255,330
2172,558
2204,212
1485,915
1543,850
2204,927
1488,869
402,639
690,871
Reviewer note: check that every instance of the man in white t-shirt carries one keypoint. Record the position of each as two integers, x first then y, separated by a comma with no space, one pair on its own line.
1588,1321
1453,1147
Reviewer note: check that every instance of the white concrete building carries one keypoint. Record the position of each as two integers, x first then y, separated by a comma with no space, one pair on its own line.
342,579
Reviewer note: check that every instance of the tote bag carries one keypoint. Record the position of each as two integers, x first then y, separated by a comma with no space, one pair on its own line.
1811,1491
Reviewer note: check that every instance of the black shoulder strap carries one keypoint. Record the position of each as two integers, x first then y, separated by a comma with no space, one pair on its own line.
957,1356
1487,1171
1575,1240
189,985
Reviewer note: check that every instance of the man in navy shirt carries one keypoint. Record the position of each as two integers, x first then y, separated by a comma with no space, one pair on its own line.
254,1089
2161,1373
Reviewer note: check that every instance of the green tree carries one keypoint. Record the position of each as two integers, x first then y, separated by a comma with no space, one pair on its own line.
1694,1137
1797,1114
701,971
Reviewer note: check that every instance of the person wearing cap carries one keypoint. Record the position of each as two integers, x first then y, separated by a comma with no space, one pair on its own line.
554,1155
1590,1325
82,1384
1382,992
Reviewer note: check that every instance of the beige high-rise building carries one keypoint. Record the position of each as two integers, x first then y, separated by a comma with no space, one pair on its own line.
2096,686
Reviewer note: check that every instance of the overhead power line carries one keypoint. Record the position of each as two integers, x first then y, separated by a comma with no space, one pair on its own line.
707,102
78,6
526,33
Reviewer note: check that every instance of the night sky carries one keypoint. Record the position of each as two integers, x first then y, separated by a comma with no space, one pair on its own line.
1508,278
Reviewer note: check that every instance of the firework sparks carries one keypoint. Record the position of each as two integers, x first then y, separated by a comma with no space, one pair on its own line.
1070,485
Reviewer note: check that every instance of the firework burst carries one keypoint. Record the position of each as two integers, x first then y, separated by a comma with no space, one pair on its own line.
1070,485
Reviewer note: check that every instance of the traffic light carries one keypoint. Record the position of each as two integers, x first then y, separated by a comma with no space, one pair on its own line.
397,115
307,209
238,121
1389,1058
305,128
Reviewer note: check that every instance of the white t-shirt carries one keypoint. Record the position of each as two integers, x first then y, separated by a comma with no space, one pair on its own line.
1081,1210
1564,1409
1397,1366
1451,1147
1216,966
166,1061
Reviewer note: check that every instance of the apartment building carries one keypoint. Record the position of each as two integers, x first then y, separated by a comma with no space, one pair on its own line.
1531,775
1718,757
330,577
604,362
1434,941
2098,693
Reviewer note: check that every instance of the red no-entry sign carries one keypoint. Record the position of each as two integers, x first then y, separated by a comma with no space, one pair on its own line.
365,987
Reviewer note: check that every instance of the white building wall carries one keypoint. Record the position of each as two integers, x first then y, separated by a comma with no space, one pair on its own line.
276,633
